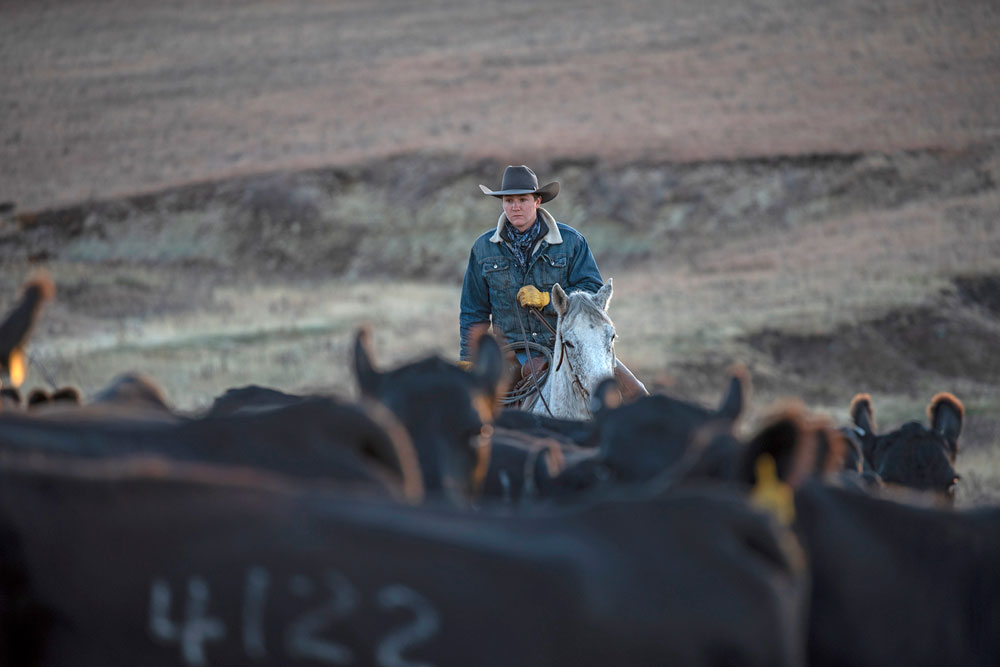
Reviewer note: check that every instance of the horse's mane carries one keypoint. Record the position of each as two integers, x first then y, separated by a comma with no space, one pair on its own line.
581,303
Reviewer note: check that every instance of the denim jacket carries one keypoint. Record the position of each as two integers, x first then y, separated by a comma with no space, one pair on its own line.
493,277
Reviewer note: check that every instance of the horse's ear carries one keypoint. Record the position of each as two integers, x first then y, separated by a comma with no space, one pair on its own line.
607,396
603,296
364,369
488,365
559,299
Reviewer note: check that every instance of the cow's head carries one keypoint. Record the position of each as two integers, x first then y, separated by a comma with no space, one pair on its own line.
800,444
446,409
914,456
640,440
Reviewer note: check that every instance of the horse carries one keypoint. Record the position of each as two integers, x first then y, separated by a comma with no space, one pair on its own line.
583,354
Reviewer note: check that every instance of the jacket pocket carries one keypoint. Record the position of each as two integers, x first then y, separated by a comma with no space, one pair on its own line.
496,272
552,269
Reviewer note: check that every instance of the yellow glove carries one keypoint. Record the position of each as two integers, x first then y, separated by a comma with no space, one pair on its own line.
465,365
530,296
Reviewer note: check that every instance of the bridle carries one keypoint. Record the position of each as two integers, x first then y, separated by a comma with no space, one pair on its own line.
531,366
564,356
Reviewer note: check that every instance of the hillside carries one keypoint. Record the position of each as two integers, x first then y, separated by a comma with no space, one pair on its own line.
224,193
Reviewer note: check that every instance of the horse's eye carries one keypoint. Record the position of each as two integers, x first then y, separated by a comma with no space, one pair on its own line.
569,344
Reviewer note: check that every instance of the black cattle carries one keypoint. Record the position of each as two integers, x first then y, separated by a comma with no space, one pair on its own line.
317,439
857,472
640,441
250,399
891,583
10,398
66,395
107,567
534,456
524,466
578,431
38,399
133,392
802,445
914,456
444,408
897,584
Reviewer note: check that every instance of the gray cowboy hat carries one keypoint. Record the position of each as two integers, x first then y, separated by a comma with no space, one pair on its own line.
522,181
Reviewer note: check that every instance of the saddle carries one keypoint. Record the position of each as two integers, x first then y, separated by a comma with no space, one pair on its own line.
519,376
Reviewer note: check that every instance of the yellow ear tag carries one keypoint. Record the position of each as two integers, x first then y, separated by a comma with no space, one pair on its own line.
16,365
770,493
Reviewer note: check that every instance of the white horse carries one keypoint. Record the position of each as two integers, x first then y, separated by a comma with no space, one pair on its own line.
583,354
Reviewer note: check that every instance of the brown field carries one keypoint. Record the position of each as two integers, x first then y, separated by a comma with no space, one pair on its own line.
224,192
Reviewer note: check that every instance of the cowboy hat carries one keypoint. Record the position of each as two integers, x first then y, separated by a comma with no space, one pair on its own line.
522,181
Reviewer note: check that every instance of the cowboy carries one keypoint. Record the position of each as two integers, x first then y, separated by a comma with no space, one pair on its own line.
518,263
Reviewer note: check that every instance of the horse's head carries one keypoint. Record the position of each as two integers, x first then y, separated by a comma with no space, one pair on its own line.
584,347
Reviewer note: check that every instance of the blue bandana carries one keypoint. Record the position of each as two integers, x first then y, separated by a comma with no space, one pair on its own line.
521,243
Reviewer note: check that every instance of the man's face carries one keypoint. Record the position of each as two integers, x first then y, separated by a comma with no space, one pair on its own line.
521,210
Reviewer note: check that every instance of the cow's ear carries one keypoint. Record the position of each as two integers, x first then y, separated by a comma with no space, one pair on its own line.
488,365
737,394
607,396
603,296
862,414
559,299
831,447
368,378
945,413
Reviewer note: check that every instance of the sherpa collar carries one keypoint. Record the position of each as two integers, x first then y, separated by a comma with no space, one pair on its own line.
552,238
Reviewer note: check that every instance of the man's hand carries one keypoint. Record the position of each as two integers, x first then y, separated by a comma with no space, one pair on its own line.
530,296
465,365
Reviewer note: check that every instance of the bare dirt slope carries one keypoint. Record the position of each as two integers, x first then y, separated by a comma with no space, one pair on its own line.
224,192
102,97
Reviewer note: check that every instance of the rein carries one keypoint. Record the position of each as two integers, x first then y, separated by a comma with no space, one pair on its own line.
531,366
563,356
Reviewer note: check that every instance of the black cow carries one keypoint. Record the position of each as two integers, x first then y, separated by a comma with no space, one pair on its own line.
116,567
898,584
914,456
444,408
317,438
640,441
891,583
10,398
578,431
524,466
251,399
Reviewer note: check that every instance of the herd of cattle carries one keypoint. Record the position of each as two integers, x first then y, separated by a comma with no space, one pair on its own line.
419,525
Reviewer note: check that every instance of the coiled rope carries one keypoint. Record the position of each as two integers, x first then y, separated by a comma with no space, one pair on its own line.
523,390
